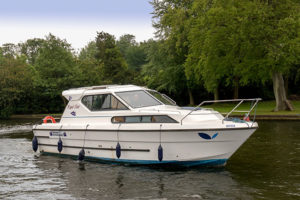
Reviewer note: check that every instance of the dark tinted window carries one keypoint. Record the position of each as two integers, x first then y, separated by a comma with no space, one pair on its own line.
102,102
162,119
143,119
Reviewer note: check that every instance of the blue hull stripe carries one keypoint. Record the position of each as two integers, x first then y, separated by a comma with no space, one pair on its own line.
212,162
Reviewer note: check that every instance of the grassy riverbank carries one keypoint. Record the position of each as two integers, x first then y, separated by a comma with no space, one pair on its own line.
263,108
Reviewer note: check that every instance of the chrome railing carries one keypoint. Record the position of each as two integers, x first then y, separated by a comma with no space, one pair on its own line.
240,101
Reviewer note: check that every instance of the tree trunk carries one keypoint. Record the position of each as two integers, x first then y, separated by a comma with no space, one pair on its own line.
216,93
286,85
279,92
236,88
192,102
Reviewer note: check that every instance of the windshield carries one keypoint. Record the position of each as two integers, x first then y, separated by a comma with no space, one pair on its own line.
162,98
137,99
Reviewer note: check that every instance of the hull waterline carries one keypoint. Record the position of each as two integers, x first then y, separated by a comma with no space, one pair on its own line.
174,163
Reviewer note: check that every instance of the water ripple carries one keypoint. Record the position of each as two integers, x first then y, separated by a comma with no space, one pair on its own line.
266,167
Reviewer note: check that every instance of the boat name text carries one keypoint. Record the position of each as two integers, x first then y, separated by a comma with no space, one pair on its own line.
58,133
71,107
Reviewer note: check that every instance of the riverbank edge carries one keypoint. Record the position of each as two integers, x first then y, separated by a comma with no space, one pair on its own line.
293,117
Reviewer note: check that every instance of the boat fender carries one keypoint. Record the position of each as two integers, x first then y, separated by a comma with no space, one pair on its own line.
49,118
160,153
118,150
81,155
35,143
247,119
59,145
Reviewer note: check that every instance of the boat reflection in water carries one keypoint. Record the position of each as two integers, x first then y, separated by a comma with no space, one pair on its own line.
135,125
90,180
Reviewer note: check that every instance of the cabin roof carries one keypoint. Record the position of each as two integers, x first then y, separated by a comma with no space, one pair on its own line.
76,93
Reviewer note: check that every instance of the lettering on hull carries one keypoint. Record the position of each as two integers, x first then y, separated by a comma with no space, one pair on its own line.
57,134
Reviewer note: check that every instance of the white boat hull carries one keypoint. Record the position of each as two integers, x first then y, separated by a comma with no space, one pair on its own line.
180,147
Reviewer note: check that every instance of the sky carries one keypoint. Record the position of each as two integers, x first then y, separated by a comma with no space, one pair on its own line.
77,21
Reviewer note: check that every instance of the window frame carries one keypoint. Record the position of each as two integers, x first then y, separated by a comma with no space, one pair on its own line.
174,121
101,110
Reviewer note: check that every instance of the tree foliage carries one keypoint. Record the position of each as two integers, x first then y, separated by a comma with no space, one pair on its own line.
201,48
170,20
89,66
113,65
133,52
161,72
232,42
15,81
55,67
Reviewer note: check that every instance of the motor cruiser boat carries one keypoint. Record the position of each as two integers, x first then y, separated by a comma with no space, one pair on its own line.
136,125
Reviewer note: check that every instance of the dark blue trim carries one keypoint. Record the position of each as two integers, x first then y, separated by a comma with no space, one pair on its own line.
212,162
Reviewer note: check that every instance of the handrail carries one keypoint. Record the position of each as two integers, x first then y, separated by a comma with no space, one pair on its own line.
227,100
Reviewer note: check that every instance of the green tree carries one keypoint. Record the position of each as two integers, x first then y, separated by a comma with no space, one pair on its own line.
89,66
134,53
88,52
161,72
31,48
10,50
57,71
277,30
126,41
170,21
15,83
135,57
216,49
238,42
113,65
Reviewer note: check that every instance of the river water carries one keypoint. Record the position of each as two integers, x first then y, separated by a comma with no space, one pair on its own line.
267,166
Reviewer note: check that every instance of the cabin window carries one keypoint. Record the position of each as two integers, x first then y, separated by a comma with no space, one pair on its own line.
143,119
162,97
102,102
138,99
